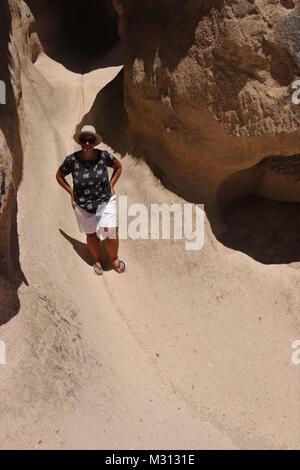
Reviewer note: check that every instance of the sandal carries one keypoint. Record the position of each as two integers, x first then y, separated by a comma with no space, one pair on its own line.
98,270
120,266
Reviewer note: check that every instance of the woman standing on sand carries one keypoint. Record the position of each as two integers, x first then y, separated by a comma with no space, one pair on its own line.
93,196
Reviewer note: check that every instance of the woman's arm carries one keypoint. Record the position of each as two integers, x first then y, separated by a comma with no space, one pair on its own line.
116,174
64,184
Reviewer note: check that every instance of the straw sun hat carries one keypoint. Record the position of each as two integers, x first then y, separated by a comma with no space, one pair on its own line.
87,130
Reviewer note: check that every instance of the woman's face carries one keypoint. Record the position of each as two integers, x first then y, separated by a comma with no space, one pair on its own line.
87,142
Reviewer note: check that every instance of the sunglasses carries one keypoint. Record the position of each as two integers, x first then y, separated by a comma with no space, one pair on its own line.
87,139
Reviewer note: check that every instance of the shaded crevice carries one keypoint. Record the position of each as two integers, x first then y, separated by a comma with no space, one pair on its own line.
289,4
75,33
109,116
11,159
261,210
268,231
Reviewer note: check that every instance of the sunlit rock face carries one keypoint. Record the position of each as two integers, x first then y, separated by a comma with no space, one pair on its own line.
208,88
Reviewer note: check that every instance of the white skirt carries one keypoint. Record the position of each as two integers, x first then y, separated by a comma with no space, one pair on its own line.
106,216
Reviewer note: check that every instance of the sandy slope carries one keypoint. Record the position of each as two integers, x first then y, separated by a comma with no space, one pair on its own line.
187,350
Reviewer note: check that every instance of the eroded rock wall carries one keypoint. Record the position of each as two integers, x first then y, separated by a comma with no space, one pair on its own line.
14,47
208,89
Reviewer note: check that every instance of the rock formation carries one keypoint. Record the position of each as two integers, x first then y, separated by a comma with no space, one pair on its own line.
13,55
208,95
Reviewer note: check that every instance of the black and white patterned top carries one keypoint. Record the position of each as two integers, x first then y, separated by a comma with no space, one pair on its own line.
90,178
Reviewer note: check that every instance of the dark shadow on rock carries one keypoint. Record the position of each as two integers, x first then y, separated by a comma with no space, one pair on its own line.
268,231
169,28
9,301
110,58
109,116
74,33
83,252
11,275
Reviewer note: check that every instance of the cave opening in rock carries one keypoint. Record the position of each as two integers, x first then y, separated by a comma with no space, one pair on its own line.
261,210
75,33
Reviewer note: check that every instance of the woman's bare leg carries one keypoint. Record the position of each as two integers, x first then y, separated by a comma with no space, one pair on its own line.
93,243
112,246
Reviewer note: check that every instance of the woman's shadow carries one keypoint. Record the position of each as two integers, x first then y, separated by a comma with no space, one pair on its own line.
83,252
